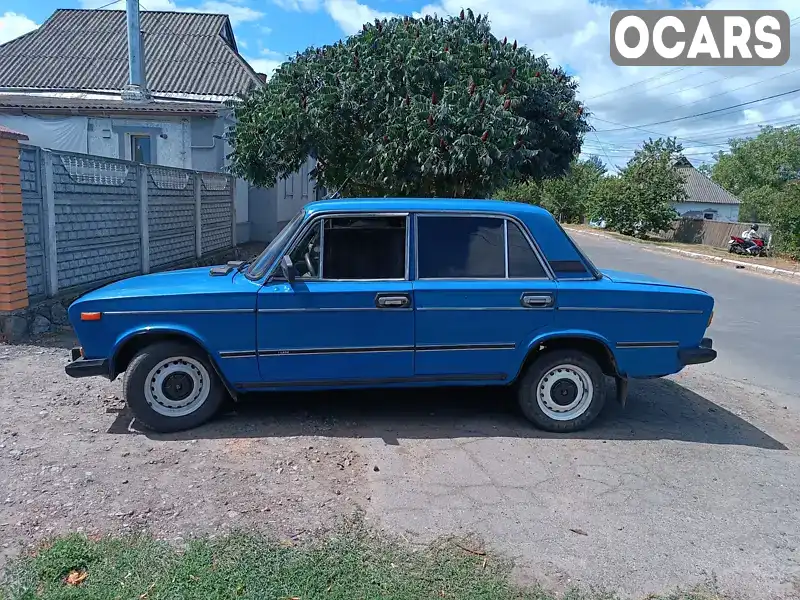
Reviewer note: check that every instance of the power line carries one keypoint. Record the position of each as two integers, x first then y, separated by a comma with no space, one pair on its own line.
749,85
671,71
608,158
722,135
623,127
107,5
636,83
708,112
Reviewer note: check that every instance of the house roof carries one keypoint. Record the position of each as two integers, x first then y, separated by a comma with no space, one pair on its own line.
27,103
700,188
87,50
10,134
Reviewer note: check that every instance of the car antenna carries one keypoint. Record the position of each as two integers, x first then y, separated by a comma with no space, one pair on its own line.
347,179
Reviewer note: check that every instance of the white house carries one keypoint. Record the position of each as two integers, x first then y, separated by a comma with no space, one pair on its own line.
706,199
69,84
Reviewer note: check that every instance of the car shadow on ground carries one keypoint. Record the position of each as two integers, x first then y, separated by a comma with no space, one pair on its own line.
657,409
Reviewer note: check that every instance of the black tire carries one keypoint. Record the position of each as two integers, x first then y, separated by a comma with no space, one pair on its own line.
150,357
532,380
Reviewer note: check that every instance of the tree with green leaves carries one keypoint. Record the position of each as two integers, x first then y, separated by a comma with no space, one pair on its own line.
565,197
412,107
785,219
757,169
640,199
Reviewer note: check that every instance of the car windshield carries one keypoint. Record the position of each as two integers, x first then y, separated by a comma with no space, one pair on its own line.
270,253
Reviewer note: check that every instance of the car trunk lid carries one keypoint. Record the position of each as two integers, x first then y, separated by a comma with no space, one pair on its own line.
638,278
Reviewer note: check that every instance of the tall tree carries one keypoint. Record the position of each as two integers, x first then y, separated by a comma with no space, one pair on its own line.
756,169
412,107
565,197
596,163
640,199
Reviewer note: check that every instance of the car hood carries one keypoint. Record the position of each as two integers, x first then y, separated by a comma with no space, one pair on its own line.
625,277
168,283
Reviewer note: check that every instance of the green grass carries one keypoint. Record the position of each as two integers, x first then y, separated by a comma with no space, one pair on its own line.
352,564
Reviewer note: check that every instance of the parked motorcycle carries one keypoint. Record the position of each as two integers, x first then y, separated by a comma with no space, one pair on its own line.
738,245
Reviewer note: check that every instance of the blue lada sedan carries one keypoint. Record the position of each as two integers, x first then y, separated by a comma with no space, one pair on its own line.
392,293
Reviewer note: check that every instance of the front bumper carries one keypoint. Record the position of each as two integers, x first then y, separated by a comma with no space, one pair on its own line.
695,356
86,367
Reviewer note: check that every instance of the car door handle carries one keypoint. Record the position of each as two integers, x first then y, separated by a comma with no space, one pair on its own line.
536,300
392,300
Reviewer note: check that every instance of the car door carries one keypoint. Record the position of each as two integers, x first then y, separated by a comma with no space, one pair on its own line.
481,292
347,318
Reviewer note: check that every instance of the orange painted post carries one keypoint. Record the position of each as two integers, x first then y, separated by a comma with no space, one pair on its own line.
13,278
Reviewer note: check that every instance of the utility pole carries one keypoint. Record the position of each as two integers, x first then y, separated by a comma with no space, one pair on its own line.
136,90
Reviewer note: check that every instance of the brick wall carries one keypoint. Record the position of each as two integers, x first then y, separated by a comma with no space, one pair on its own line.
88,220
13,285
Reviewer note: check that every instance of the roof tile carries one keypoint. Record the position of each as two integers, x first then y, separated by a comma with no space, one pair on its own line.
77,50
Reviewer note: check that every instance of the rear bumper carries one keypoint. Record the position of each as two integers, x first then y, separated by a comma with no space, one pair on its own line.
87,367
695,356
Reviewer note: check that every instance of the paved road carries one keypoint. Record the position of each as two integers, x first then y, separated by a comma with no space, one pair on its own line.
756,326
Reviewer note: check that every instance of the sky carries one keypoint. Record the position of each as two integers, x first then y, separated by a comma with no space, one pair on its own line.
627,104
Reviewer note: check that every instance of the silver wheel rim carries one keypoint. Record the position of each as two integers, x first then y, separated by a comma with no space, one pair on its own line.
167,390
565,392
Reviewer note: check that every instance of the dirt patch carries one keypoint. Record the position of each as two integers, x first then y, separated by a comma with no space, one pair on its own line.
71,461
697,477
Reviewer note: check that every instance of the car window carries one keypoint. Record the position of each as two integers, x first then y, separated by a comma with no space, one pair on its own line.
306,254
357,247
522,260
460,247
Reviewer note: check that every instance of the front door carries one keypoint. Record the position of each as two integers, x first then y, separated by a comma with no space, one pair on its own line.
481,293
348,317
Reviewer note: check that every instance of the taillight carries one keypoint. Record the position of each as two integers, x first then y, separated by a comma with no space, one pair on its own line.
91,316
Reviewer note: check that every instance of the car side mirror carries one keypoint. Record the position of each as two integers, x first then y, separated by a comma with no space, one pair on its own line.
287,267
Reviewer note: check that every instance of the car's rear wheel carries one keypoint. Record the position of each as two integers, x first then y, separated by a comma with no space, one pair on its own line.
170,386
562,391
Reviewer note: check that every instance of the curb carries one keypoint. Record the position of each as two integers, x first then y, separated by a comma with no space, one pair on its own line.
698,256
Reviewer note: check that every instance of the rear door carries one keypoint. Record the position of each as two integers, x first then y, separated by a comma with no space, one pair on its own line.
481,292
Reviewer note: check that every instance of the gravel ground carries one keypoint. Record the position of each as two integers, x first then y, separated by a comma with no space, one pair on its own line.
698,476
71,459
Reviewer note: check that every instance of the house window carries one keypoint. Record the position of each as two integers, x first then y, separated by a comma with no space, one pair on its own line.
140,149
708,216
288,186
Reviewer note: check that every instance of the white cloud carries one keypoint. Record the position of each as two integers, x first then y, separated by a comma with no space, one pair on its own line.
237,12
267,62
13,25
274,55
298,5
350,15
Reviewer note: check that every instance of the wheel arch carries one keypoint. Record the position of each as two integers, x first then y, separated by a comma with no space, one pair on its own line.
592,344
133,341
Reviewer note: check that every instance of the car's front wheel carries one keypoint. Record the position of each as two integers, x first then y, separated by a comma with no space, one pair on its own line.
562,391
170,386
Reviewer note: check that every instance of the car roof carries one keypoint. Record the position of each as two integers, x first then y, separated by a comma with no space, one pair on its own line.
420,204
